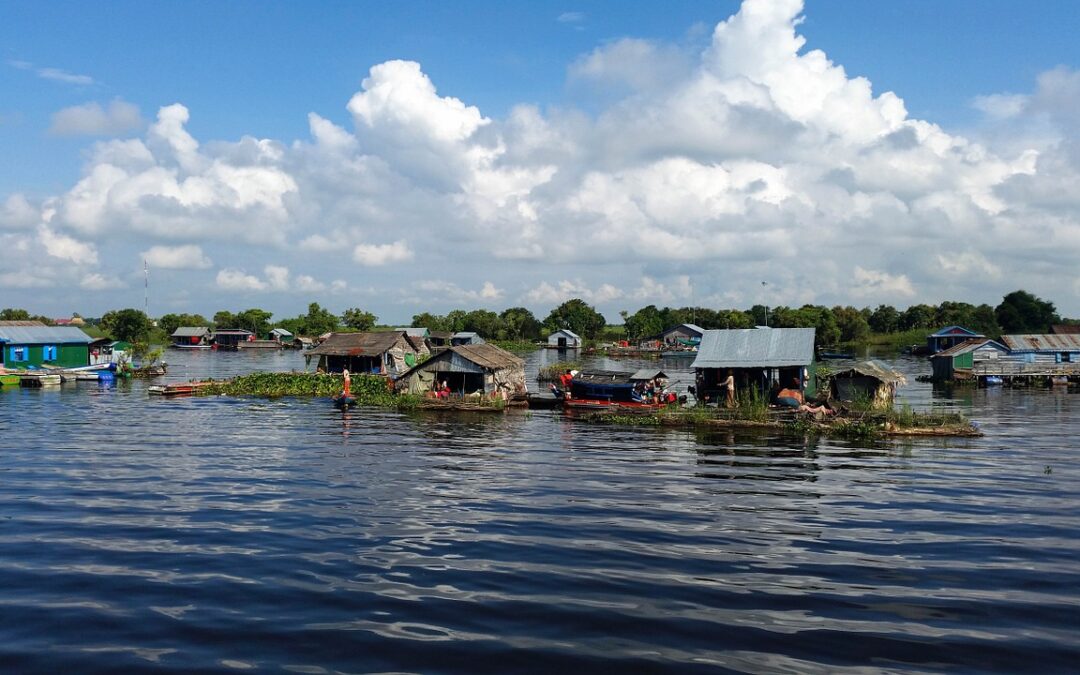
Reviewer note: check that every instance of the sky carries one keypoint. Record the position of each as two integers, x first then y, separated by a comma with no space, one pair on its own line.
427,156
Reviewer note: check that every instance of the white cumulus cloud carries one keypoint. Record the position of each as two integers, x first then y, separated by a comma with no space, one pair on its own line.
374,255
91,119
186,257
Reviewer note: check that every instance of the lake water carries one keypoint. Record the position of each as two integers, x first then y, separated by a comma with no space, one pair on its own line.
217,534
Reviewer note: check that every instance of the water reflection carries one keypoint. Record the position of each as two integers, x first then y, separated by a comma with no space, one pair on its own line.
205,534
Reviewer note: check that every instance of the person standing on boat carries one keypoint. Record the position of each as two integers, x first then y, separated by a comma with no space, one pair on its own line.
729,384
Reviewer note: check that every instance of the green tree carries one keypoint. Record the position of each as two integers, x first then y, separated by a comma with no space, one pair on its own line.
255,320
885,319
1022,312
918,316
430,321
852,324
318,320
170,322
518,323
129,325
646,322
483,322
11,314
984,320
578,316
225,319
359,319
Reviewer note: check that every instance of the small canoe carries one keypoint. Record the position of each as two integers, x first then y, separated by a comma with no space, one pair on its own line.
173,390
343,402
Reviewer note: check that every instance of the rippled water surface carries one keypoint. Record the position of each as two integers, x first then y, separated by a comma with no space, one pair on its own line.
216,534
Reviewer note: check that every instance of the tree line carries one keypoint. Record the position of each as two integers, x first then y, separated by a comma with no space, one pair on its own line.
1018,312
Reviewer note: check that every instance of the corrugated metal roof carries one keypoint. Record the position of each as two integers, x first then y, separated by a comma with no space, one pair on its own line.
1042,343
191,331
566,331
874,369
358,344
647,374
281,331
756,348
43,335
413,331
955,330
1065,329
968,346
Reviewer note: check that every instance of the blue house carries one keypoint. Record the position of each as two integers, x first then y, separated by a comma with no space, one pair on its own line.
949,337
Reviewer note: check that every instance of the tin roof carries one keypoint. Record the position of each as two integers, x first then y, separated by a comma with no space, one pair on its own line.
281,331
232,331
27,333
1042,343
693,327
358,344
413,331
1065,329
618,376
756,348
191,331
567,331
968,346
955,330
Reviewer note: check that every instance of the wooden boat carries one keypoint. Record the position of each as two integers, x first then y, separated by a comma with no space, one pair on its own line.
343,402
9,380
35,380
611,390
835,355
173,390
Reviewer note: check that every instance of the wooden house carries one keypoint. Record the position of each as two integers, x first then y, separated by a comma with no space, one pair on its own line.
384,353
957,362
465,337
229,339
756,358
949,337
28,344
1043,349
564,339
281,335
191,337
467,370
683,335
438,340
869,381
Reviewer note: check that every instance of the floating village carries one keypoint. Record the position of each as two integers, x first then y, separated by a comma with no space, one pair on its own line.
753,377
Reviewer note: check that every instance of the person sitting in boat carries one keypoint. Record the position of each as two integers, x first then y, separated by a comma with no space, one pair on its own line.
565,380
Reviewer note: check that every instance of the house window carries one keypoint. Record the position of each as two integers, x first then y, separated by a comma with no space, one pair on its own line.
1065,357
19,354
48,352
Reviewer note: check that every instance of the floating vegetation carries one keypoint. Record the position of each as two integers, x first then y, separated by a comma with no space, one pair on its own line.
903,422
552,372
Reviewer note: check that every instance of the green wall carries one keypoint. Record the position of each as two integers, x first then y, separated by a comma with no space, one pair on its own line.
67,356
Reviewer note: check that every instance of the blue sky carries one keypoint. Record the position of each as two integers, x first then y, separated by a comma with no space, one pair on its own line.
259,68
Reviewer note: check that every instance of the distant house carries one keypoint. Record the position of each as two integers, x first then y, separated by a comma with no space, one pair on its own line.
962,358
564,339
1050,348
685,334
384,353
756,357
281,335
229,339
869,381
466,338
438,339
469,369
191,337
949,337
28,344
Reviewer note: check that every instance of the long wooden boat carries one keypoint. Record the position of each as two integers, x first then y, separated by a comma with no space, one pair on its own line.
608,404
9,380
172,390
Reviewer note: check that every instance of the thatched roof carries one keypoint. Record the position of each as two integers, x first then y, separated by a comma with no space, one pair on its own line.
358,344
488,356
